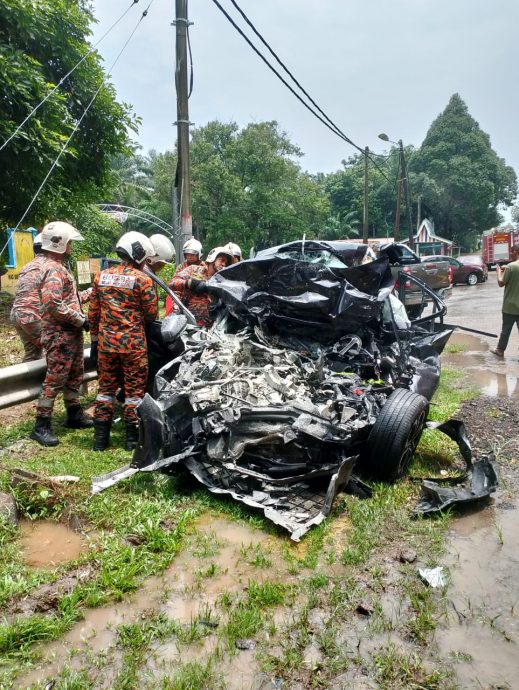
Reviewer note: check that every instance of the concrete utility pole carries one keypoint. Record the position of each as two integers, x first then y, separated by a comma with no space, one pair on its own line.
396,233
184,178
403,165
365,225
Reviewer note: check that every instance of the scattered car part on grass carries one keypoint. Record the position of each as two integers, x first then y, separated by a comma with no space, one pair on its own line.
478,482
310,371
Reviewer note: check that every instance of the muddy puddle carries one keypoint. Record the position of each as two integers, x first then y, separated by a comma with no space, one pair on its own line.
47,544
483,612
494,376
481,633
220,556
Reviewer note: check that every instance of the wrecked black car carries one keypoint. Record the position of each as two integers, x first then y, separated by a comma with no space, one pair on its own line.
311,370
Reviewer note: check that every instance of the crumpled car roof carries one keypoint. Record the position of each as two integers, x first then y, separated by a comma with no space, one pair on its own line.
320,301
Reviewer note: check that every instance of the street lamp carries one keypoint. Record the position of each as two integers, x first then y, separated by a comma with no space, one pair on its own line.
404,180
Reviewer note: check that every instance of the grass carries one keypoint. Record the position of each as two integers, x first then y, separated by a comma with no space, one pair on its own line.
398,670
451,348
142,524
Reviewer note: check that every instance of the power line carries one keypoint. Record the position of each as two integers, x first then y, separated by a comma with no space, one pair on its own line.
63,79
282,64
78,123
328,121
283,80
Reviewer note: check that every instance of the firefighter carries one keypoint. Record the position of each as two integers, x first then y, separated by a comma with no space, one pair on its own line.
190,285
192,251
123,300
63,324
164,253
235,251
25,313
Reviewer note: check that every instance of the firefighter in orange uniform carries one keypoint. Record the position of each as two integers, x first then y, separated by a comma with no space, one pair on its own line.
123,300
25,313
190,285
63,324
192,251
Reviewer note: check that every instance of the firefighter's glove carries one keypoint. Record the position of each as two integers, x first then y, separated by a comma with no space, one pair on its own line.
92,360
197,286
86,325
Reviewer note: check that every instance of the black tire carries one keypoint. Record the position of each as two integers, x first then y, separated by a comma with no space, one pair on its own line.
472,279
395,435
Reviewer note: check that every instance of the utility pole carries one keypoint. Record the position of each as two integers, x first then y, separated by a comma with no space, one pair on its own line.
365,225
419,218
183,168
405,181
396,233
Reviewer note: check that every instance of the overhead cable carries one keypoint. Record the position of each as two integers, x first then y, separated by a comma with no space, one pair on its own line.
283,80
63,79
144,14
329,122
282,64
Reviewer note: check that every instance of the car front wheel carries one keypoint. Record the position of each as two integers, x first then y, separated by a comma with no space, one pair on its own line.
395,435
472,279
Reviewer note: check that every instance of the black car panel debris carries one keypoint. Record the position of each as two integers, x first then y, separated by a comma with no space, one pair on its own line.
311,370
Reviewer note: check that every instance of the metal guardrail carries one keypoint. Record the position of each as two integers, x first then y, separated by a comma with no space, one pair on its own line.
22,382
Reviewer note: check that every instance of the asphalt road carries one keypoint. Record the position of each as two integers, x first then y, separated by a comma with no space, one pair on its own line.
479,307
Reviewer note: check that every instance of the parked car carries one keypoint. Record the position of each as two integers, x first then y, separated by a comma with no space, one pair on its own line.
469,270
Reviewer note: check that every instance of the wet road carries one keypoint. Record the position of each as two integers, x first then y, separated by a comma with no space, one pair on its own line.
481,633
479,307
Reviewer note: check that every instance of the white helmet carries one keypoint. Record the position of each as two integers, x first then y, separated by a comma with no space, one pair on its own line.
134,246
234,249
163,249
192,246
56,235
216,251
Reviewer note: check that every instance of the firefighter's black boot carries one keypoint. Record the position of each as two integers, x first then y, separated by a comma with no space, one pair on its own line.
77,419
132,435
101,434
42,432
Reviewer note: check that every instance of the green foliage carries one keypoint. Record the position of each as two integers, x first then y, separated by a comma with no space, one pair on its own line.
460,177
40,42
246,187
346,191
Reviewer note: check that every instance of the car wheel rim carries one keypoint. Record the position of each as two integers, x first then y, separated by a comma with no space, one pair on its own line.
472,279
412,441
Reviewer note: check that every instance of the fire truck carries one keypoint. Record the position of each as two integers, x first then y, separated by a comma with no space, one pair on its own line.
497,245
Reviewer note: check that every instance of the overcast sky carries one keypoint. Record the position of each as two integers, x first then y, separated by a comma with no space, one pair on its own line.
373,65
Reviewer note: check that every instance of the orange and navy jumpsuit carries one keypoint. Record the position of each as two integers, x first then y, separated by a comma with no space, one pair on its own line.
25,313
123,299
198,305
61,336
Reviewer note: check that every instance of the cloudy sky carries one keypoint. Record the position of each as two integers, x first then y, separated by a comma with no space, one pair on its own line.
372,65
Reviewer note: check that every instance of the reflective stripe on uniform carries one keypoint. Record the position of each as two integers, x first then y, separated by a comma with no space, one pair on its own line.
132,401
105,398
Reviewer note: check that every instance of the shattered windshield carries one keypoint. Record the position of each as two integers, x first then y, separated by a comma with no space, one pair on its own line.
315,256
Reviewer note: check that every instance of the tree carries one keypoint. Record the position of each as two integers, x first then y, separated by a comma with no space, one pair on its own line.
461,179
346,191
40,42
248,188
